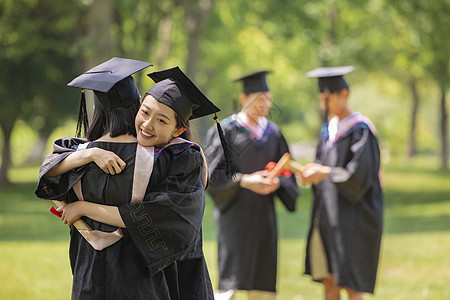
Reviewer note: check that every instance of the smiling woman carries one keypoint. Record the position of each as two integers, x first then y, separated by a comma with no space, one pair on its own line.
156,123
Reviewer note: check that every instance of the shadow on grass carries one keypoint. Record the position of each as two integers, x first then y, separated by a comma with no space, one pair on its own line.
398,224
23,216
394,197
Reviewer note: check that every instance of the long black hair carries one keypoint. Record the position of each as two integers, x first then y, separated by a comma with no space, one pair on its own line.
115,122
187,134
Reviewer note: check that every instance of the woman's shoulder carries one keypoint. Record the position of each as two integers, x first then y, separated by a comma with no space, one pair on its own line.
67,143
178,147
180,158
183,147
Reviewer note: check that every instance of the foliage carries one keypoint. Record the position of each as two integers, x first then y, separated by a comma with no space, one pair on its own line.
45,43
37,61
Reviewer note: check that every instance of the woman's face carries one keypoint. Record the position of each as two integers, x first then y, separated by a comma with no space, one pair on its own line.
336,102
257,105
155,123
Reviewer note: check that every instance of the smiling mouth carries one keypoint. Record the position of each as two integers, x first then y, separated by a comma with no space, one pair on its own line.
147,135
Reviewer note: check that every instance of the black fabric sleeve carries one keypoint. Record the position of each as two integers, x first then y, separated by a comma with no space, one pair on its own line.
166,225
56,187
288,191
355,178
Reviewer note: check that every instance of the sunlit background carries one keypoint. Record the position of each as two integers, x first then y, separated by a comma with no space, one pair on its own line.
400,51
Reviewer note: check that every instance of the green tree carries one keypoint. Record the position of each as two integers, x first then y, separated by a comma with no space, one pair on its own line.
429,21
35,54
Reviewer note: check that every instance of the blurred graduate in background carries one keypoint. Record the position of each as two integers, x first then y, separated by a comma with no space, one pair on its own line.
244,204
347,218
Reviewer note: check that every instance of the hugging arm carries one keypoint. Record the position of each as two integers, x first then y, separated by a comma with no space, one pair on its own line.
106,160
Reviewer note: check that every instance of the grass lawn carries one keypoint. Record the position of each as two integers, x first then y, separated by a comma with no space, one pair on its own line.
414,260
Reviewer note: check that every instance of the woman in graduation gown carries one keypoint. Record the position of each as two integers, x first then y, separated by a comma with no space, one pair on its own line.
347,218
146,239
244,204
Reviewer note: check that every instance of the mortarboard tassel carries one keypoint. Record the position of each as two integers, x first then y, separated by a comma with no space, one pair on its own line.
229,169
327,100
82,116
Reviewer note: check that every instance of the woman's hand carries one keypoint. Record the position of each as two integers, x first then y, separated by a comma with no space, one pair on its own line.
259,183
106,160
71,212
315,173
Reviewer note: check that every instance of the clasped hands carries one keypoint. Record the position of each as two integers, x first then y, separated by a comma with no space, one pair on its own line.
260,182
311,173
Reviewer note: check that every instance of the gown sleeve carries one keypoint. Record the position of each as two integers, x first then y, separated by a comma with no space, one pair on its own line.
288,191
56,187
222,188
356,177
166,225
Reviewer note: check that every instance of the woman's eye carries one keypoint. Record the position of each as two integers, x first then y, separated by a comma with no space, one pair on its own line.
162,121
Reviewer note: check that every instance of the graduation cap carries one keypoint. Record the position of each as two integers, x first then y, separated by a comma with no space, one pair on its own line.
174,89
112,76
331,79
255,82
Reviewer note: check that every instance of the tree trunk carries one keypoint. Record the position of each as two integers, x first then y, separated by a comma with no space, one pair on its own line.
36,156
164,39
328,42
100,20
196,14
444,126
414,111
120,34
6,152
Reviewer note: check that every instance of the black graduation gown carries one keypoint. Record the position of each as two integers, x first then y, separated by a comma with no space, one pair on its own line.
160,255
350,208
246,221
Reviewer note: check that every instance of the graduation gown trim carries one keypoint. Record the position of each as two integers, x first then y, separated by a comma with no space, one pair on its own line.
239,126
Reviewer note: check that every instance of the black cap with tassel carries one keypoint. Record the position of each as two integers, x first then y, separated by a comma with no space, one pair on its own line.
174,89
114,74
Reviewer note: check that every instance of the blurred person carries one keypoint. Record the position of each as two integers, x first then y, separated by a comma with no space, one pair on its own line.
244,204
347,218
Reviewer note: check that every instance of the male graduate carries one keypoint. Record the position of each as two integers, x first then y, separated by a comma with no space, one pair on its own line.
244,203
347,218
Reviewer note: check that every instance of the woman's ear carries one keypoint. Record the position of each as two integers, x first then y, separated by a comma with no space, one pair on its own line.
178,131
344,93
242,99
